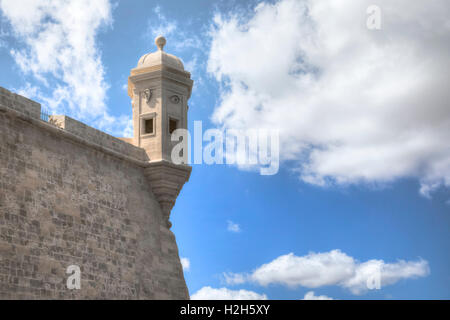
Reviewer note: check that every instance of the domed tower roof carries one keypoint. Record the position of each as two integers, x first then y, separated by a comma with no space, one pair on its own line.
159,64
160,57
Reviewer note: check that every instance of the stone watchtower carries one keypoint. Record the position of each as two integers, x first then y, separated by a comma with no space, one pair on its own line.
159,89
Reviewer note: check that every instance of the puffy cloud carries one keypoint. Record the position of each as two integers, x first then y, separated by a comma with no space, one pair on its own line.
233,227
59,49
185,263
330,268
353,105
208,293
311,296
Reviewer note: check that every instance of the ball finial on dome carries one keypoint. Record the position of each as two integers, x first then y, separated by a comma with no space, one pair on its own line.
160,42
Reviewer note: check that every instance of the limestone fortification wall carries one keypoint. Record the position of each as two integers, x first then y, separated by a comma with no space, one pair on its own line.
73,195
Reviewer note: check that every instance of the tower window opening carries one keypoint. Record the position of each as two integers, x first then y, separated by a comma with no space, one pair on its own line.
149,126
173,125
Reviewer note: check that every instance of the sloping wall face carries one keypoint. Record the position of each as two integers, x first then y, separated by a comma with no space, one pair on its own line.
65,203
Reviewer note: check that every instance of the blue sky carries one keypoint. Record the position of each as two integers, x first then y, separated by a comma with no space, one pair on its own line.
364,128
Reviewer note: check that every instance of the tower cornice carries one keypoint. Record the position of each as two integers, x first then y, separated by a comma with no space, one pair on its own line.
158,73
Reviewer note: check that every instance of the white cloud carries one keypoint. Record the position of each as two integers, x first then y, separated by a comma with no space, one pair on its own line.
59,49
352,105
179,39
233,227
185,263
29,91
164,26
311,296
330,268
3,35
235,278
208,293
